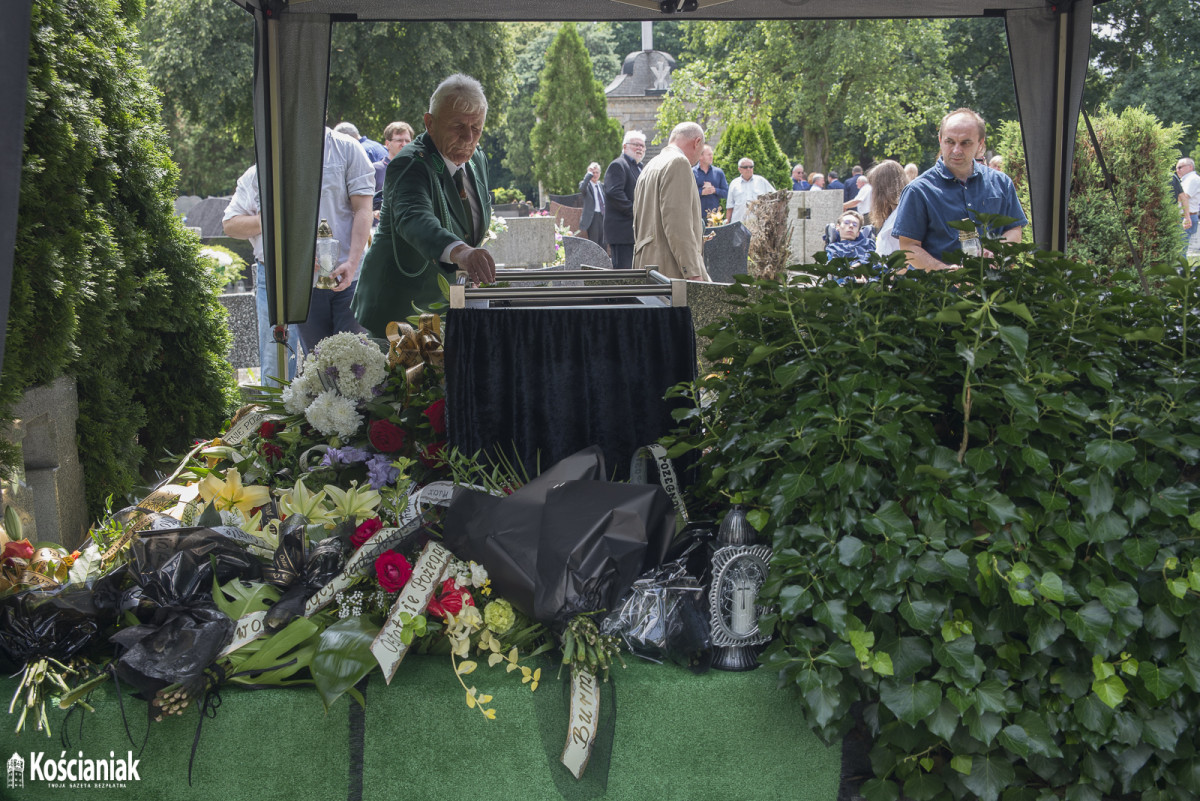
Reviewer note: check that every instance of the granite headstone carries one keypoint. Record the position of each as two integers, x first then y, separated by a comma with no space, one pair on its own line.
726,253
582,253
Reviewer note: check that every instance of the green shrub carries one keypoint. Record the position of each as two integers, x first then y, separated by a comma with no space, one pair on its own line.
742,140
981,492
107,284
506,194
1140,153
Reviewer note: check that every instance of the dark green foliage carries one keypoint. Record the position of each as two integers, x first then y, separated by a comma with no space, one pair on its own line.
573,127
107,285
1140,153
743,140
775,165
981,493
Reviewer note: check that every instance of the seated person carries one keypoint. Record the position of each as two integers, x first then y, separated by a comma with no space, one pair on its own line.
851,243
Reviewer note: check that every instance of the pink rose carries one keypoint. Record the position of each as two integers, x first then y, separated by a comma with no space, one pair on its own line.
366,529
393,571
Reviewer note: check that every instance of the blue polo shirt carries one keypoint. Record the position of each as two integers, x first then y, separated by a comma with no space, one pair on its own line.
936,198
715,176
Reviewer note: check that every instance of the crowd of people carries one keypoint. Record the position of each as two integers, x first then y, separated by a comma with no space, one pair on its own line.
428,197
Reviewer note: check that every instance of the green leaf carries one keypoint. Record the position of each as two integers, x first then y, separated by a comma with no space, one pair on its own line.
990,774
1110,690
944,721
962,764
989,696
1050,586
1000,508
1017,339
924,786
879,790
1109,453
1161,682
1019,309
921,615
758,518
947,316
1091,623
761,352
852,552
910,701
343,657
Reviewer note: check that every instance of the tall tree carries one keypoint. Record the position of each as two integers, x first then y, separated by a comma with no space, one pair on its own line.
1147,53
847,84
199,54
572,125
980,66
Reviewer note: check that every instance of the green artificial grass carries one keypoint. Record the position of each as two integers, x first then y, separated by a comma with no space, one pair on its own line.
677,736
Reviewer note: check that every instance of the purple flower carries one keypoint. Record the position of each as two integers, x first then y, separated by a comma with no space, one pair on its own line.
347,455
332,371
380,472
358,370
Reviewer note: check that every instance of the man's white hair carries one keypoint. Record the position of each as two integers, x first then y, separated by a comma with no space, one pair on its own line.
1187,162
347,128
686,132
631,135
460,93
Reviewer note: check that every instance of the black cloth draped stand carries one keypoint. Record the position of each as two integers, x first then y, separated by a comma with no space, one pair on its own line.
537,385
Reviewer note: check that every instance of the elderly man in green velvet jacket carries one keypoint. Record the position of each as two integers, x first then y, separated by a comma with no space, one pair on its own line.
435,214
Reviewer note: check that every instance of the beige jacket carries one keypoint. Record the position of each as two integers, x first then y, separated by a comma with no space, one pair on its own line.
668,232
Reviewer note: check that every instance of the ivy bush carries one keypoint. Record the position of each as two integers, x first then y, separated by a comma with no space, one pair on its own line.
981,492
107,284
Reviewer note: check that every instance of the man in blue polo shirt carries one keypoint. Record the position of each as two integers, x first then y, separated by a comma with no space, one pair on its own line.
956,188
710,183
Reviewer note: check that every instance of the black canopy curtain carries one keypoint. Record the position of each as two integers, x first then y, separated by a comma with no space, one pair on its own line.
1048,43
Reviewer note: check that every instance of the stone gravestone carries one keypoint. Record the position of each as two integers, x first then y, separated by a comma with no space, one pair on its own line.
582,253
50,499
725,255
528,242
809,213
206,215
243,324
574,201
566,215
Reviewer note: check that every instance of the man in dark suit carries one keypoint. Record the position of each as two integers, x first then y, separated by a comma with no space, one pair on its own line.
436,211
592,221
619,181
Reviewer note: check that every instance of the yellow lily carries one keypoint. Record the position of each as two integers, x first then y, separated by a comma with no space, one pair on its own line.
357,502
299,501
230,494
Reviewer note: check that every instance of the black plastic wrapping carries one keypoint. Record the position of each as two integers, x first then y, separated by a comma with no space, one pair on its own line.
59,622
566,542
665,617
299,570
182,631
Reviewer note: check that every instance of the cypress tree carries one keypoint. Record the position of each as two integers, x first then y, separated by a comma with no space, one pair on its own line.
573,128
774,166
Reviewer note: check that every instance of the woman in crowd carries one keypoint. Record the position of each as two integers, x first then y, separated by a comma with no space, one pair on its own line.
887,180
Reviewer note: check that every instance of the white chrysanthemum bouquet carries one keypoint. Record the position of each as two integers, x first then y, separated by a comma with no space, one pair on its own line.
342,371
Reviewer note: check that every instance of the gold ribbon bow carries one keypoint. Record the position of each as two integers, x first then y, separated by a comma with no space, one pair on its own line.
414,348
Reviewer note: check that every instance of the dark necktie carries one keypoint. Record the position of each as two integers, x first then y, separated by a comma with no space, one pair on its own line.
599,194
460,182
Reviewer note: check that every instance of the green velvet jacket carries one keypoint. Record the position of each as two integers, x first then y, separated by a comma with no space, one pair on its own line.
420,216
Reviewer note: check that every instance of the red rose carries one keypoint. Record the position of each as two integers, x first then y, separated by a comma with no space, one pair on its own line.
366,529
268,429
431,455
16,549
392,570
385,436
271,451
437,415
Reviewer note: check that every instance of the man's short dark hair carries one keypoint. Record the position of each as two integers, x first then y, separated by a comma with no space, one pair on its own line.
974,115
394,128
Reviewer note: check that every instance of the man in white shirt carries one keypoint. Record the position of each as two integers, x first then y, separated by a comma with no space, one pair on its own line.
743,189
1185,168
